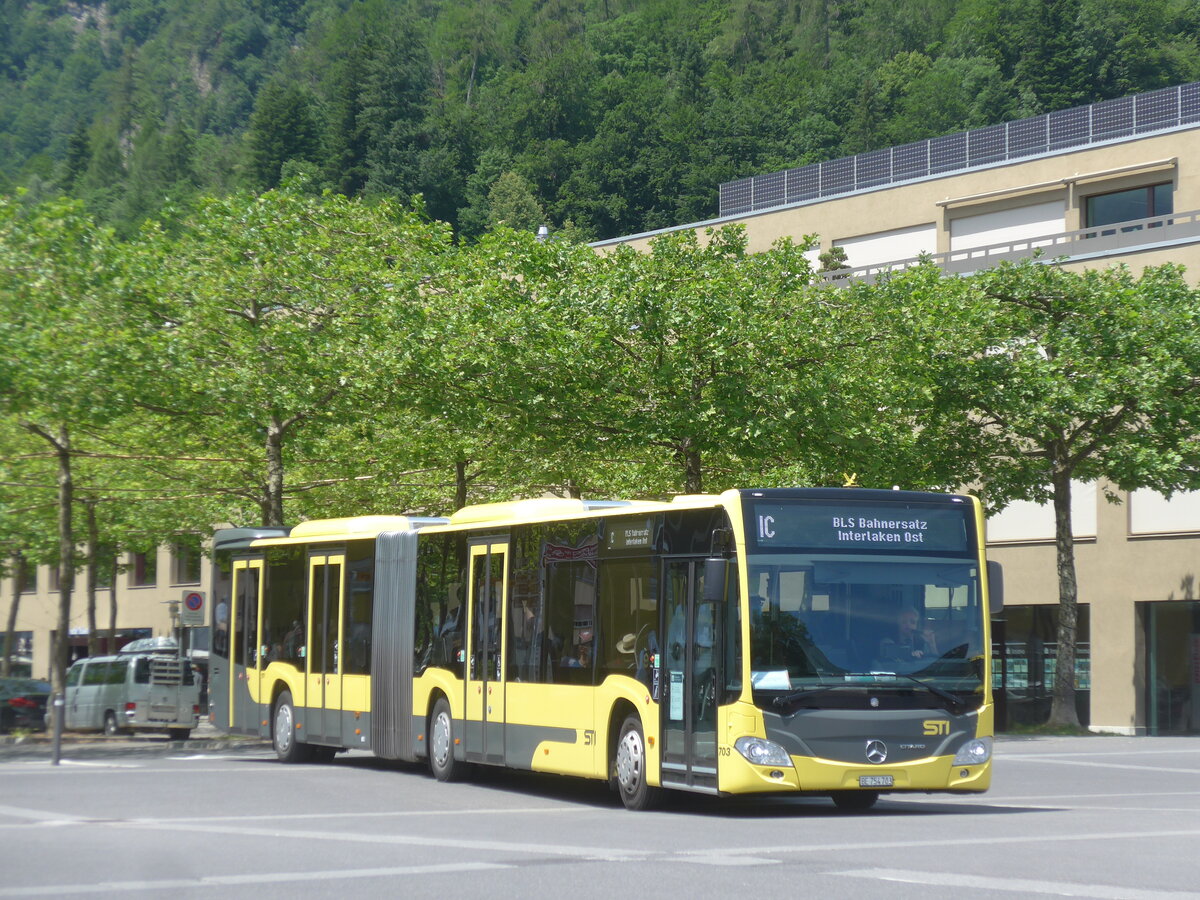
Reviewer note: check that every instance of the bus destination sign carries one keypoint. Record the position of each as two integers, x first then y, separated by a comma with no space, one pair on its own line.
859,526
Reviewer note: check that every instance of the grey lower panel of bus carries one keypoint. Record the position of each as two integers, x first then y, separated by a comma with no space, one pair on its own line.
520,742
392,735
844,735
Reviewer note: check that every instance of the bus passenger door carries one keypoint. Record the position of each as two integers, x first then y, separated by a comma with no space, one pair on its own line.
484,726
245,621
323,719
692,666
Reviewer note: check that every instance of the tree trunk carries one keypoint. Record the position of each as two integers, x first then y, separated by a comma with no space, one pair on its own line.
10,627
693,472
460,483
92,546
273,502
1062,709
112,607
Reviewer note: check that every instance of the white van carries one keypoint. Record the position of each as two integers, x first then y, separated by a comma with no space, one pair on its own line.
138,692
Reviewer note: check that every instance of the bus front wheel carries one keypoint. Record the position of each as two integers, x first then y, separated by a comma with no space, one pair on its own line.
441,744
635,793
283,732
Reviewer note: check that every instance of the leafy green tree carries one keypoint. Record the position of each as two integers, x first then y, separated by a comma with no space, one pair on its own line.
56,329
285,312
1028,376
511,202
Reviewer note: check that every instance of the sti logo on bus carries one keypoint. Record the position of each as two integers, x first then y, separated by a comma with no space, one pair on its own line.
936,726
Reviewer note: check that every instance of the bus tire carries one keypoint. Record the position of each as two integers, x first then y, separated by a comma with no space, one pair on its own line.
283,732
854,801
442,763
111,728
630,766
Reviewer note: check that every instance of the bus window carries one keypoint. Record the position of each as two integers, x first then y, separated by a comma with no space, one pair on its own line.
285,609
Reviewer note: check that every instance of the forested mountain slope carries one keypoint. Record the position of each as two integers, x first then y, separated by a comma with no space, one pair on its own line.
606,116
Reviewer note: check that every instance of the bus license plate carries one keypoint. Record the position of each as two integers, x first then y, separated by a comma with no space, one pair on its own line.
875,781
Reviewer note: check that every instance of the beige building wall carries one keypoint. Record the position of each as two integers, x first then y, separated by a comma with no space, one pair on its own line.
1116,572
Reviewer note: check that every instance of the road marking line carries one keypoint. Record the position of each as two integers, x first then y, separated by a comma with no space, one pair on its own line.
1017,885
786,849
1099,765
113,887
567,850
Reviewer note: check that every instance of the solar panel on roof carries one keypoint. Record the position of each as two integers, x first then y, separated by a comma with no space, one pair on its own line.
1028,136
873,169
837,176
1189,103
1112,119
986,145
803,183
1060,130
769,190
1158,109
948,153
1069,127
910,161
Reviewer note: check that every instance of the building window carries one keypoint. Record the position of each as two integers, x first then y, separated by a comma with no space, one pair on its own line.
145,569
185,559
26,574
1125,206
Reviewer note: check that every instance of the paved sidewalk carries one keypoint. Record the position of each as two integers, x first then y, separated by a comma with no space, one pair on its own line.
81,745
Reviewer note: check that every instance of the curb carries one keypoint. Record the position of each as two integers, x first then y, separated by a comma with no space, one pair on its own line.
43,748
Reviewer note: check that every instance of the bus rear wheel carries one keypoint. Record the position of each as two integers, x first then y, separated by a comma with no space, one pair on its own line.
635,792
441,744
854,800
283,732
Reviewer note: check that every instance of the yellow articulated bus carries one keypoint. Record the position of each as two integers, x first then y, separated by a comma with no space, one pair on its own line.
819,640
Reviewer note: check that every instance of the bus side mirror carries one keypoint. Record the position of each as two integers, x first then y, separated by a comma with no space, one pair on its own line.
714,579
995,586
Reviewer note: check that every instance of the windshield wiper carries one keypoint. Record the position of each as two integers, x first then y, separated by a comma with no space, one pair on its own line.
955,703
811,693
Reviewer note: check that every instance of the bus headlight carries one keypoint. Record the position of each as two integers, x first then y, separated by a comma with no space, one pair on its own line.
762,752
974,752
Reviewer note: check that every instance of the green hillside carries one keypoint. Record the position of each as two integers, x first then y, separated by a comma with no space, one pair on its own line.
606,116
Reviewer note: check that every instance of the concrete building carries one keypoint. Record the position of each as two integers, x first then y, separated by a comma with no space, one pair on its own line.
1114,182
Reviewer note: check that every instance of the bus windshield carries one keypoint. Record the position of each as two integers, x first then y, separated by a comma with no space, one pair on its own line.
821,623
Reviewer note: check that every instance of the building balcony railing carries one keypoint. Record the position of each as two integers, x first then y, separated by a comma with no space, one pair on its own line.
1098,241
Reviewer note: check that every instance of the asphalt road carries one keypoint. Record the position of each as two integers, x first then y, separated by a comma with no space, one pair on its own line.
1101,817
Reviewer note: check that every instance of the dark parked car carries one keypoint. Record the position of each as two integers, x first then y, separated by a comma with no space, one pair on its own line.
23,704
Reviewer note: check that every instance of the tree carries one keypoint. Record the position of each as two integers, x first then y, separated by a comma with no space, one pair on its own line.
56,284
683,369
511,202
273,319
1027,377
283,127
